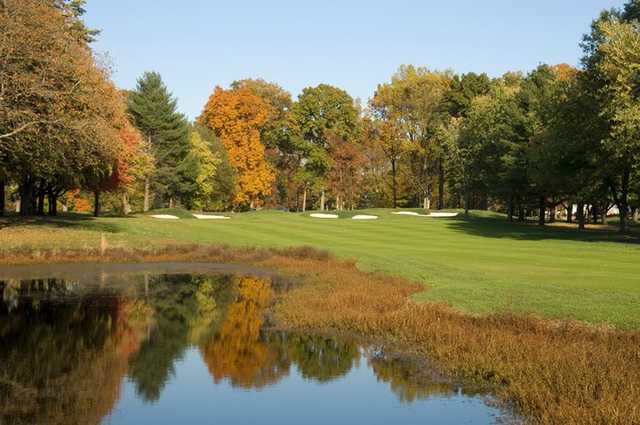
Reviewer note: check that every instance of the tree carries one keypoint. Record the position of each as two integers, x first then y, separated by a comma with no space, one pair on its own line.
319,111
539,92
457,100
136,157
619,55
205,163
237,116
59,113
154,112
275,134
493,143
412,103
345,170
386,132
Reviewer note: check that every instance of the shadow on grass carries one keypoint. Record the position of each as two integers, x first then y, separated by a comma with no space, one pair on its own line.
500,228
62,221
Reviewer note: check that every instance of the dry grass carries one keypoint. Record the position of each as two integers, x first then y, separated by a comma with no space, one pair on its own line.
551,372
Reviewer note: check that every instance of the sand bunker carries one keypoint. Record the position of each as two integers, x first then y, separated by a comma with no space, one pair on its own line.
411,213
165,216
364,217
211,217
432,215
319,215
443,214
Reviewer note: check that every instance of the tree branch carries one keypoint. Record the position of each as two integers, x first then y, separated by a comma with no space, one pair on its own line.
19,129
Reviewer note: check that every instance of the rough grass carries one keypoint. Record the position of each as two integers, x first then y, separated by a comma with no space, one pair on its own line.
559,372
482,265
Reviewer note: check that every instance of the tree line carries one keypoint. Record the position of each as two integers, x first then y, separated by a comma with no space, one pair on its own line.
556,139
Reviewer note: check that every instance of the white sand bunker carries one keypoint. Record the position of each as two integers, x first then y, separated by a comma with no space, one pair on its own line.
432,215
211,217
364,217
443,214
319,215
165,216
411,213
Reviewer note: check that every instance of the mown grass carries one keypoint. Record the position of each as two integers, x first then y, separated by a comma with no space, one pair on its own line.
560,372
481,265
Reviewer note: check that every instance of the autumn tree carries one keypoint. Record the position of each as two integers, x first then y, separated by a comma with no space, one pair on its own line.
345,170
59,113
386,132
135,164
412,104
237,117
275,134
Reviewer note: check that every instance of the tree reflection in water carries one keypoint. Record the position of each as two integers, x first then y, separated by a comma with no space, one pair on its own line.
66,347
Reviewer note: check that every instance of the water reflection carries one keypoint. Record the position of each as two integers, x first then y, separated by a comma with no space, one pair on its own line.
67,347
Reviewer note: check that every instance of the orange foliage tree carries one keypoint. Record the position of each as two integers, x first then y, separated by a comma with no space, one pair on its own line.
237,116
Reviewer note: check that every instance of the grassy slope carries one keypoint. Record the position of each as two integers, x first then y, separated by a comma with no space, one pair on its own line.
481,265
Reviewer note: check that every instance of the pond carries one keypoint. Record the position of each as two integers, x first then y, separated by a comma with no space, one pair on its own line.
191,344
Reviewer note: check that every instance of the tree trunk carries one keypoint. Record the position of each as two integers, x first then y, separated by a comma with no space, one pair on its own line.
440,185
146,194
623,218
467,195
623,201
636,214
338,203
126,207
53,203
569,211
541,211
304,199
426,203
322,200
394,183
2,196
41,202
96,203
580,215
484,202
595,213
552,214
510,209
521,214
172,203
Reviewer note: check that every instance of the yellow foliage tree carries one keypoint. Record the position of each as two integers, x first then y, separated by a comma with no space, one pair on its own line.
237,116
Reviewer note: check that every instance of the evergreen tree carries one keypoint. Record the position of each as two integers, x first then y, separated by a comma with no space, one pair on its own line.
153,109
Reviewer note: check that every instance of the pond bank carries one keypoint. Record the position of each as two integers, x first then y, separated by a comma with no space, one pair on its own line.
549,371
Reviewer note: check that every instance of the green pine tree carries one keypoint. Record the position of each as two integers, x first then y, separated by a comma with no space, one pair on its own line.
153,110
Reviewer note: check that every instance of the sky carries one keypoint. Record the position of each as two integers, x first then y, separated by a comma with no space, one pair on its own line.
352,44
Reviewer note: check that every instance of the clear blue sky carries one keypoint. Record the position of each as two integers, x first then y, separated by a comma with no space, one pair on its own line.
355,45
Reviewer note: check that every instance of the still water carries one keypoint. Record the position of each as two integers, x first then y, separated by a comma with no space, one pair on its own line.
149,348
